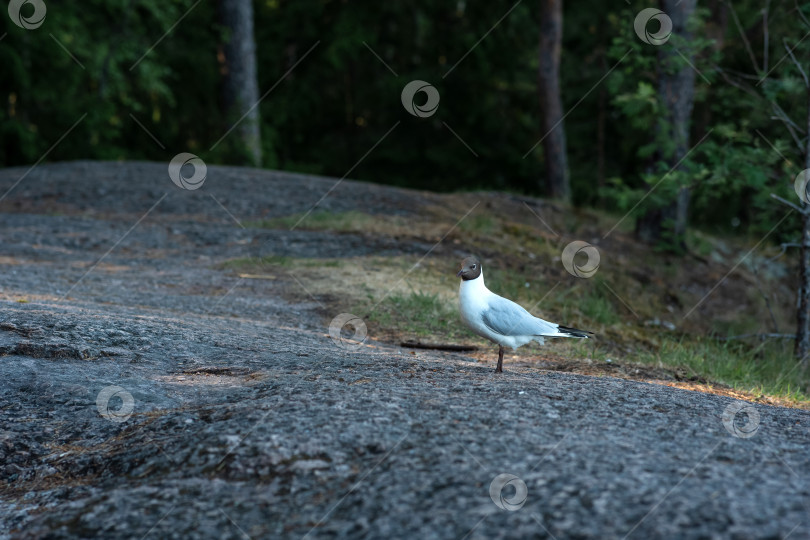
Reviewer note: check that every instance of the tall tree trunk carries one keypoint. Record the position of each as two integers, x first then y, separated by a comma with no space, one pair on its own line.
601,123
676,90
802,348
240,85
551,110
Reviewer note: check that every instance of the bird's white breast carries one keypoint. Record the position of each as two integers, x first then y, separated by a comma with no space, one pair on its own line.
473,299
473,302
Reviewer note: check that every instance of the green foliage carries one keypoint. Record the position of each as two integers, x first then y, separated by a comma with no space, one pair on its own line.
47,91
747,154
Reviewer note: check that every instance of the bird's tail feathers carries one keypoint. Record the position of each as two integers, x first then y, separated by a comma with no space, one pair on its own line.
564,331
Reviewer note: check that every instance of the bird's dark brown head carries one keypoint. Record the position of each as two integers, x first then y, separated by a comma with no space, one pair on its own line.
470,269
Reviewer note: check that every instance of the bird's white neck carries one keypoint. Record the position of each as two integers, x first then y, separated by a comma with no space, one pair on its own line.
474,286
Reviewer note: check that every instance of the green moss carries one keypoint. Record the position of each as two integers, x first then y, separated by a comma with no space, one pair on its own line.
322,220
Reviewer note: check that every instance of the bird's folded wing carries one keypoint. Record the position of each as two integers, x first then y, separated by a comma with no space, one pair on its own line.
509,319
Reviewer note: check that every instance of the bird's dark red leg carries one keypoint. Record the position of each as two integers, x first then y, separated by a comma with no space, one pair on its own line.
499,369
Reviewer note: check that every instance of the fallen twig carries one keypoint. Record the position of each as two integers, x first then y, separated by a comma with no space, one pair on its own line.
437,346
785,245
256,276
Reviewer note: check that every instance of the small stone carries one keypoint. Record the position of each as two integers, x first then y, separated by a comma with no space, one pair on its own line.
309,464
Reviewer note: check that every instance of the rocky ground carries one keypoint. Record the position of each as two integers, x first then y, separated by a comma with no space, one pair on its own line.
146,392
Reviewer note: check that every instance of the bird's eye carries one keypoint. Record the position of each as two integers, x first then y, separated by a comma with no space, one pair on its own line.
473,267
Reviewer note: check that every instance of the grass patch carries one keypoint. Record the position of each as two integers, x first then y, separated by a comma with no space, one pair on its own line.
768,368
597,306
352,221
697,242
479,224
419,314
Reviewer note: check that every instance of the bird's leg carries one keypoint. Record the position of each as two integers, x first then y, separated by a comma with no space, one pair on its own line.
499,369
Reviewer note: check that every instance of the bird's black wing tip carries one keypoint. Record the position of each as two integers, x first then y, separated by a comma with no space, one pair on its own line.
576,332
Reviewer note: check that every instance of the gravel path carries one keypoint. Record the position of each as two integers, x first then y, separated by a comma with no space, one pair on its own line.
157,396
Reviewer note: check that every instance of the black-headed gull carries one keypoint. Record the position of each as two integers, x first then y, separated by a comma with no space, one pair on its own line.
498,319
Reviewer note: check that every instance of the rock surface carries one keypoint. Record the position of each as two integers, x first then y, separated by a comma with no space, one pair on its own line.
147,393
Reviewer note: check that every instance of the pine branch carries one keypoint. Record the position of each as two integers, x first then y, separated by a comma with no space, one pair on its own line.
798,65
790,204
744,37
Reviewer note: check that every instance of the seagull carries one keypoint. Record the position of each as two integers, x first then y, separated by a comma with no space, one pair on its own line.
499,319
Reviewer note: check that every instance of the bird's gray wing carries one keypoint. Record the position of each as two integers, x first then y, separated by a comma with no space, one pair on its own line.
509,319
